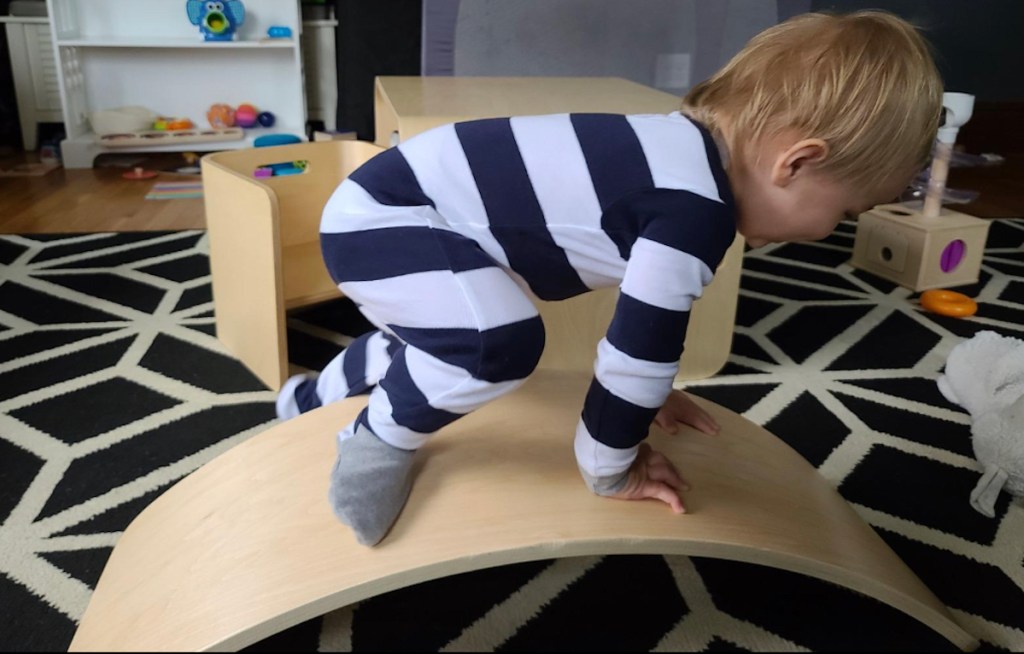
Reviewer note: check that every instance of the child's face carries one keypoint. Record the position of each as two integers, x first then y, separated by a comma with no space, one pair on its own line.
784,197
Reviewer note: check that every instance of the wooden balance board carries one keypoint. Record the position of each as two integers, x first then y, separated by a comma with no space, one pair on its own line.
247,546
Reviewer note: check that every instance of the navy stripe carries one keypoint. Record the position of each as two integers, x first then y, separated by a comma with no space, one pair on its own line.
613,154
620,222
363,420
613,421
647,332
682,220
390,180
353,366
306,397
715,162
512,351
410,408
393,345
513,212
690,223
383,253
494,355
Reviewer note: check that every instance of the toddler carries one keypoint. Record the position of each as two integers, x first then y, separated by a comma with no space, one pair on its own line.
443,241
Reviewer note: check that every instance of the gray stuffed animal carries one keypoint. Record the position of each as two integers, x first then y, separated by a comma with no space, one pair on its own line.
985,376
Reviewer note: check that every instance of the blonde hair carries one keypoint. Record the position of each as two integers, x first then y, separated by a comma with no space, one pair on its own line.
865,83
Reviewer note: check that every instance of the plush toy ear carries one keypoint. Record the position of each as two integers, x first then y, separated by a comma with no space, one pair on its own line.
235,11
985,494
947,390
195,11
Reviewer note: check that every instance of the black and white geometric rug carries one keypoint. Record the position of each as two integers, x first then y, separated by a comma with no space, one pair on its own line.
113,387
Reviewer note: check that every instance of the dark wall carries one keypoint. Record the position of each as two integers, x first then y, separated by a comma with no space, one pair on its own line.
979,44
373,38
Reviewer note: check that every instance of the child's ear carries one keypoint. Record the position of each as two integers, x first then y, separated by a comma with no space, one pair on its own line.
797,159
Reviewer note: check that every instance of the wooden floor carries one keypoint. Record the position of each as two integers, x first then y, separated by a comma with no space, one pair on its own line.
92,200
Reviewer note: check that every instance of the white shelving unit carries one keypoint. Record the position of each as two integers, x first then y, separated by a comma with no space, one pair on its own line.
35,74
116,53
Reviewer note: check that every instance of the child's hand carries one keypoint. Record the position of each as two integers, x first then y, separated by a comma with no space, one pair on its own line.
678,408
653,476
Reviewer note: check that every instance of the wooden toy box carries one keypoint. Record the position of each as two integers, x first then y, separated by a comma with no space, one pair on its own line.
896,242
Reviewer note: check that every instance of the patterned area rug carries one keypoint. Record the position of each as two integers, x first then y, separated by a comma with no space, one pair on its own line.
112,388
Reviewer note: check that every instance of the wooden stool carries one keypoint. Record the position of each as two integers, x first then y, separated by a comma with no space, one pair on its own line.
265,243
247,546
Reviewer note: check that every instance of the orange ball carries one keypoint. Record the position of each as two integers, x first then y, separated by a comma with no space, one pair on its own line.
221,115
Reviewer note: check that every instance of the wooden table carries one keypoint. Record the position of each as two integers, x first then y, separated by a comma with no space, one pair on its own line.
406,106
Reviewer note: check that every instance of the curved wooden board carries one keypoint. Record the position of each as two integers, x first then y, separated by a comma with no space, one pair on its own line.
246,546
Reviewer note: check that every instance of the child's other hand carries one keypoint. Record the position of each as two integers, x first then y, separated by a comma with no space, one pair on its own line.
653,476
679,408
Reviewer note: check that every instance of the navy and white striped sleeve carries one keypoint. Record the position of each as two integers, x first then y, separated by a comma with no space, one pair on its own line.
682,239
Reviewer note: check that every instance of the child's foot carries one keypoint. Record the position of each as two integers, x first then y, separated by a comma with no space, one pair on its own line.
369,484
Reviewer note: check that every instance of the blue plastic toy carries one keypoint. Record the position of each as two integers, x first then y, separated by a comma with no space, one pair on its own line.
268,140
217,19
279,32
288,169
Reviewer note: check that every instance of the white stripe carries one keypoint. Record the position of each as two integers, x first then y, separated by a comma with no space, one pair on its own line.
597,459
561,182
377,358
350,209
439,163
495,297
449,387
640,382
383,423
476,299
427,299
426,374
331,384
595,256
675,153
664,277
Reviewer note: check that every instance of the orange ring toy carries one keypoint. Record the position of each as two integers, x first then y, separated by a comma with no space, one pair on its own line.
948,303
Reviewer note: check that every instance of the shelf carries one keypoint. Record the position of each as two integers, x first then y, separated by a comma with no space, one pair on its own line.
188,43
112,53
90,142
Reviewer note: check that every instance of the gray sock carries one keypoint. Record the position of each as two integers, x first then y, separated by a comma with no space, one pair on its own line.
607,485
369,484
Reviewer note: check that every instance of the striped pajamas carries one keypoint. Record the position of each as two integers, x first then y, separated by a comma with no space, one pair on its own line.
443,240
